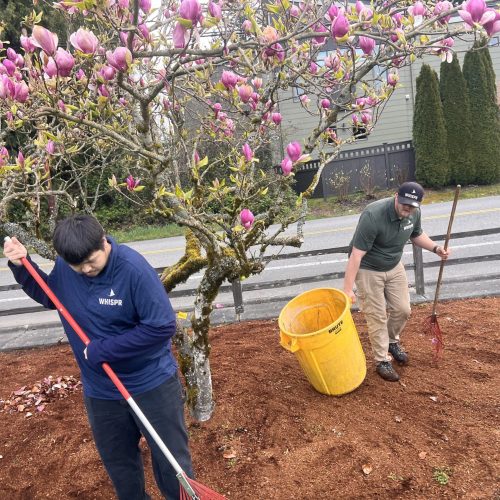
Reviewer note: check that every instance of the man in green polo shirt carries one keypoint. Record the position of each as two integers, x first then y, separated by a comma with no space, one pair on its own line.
375,266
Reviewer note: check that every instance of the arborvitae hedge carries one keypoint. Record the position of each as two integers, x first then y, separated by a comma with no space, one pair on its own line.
456,112
429,132
479,75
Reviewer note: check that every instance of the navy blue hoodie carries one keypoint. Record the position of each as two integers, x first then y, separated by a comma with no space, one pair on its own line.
125,312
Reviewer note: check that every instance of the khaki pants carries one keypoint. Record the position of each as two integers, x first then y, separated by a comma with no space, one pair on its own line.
385,302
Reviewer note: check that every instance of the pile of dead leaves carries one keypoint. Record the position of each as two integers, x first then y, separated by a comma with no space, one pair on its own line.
30,399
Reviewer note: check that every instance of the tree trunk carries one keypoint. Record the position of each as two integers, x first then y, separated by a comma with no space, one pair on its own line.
194,347
195,366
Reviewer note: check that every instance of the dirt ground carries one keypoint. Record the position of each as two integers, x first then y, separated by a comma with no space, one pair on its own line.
433,435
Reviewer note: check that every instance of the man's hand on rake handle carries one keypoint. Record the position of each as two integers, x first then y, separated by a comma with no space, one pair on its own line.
14,250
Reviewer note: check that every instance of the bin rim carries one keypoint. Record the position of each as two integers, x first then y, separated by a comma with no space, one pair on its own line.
305,335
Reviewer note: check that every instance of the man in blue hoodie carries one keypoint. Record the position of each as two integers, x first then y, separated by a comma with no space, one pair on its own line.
119,302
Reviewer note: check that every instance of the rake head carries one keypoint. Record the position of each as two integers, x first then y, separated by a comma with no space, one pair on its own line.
436,335
201,492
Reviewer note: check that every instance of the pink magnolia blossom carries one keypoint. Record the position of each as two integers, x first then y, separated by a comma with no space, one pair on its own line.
332,61
107,72
19,62
397,19
340,26
4,155
333,11
277,118
8,67
61,105
325,103
50,68
366,117
294,150
80,74
492,27
313,68
246,218
319,28
417,9
366,44
269,34
85,41
7,87
103,90
286,166
145,5
179,36
475,11
21,92
217,108
27,44
257,82
247,25
132,183
229,79
215,10
20,159
120,58
442,7
11,54
191,10
392,79
64,61
245,92
144,32
45,39
123,4
443,49
50,147
247,152
294,11
275,50
304,99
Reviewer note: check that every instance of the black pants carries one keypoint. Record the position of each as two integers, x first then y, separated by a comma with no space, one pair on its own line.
117,432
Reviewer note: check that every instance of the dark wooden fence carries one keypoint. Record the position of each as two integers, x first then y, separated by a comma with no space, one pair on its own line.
384,167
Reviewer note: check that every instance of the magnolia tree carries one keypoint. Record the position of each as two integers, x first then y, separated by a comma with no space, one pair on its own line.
154,86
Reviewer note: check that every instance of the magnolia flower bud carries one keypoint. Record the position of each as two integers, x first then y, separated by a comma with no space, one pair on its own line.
247,152
246,218
286,166
277,118
294,150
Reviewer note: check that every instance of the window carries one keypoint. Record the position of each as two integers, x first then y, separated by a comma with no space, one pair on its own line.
360,132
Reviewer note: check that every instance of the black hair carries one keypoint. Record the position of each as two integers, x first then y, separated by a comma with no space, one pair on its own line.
77,237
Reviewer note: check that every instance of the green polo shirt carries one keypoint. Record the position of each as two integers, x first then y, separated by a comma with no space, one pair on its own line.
383,235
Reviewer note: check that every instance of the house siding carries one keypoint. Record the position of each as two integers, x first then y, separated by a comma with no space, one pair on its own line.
396,121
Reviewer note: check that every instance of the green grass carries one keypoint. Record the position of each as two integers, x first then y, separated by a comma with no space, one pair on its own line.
354,203
141,233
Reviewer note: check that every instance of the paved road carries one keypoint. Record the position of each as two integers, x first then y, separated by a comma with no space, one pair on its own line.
459,280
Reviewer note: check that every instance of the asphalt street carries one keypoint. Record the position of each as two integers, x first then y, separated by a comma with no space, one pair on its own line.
478,276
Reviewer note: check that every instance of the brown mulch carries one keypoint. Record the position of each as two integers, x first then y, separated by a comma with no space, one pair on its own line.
433,435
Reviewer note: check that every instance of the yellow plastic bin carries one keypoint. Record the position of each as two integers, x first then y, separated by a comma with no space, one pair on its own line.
318,328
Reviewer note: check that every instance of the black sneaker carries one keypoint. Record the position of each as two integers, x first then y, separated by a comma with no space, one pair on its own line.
387,372
398,353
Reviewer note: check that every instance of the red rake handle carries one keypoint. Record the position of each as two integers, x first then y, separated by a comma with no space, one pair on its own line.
446,241
181,475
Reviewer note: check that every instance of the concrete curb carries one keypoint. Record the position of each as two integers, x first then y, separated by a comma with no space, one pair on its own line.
50,331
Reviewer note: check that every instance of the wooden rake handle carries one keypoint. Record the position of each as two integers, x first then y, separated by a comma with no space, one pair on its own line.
446,241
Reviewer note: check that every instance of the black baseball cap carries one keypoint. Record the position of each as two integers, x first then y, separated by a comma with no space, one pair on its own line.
410,193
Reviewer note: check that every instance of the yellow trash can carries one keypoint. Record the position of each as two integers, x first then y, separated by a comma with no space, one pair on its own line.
318,327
